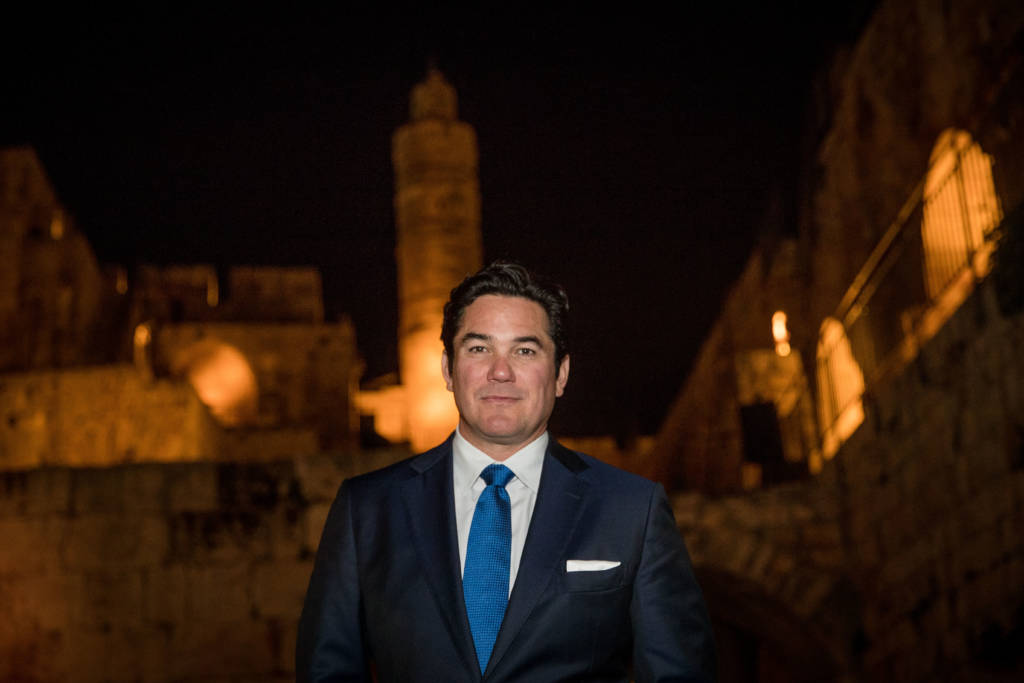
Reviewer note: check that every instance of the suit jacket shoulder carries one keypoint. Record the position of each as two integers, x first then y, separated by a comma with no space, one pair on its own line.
610,484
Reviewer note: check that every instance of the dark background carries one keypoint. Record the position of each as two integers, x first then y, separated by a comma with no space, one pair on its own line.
634,159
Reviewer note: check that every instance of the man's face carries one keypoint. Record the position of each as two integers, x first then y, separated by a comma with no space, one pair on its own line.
503,373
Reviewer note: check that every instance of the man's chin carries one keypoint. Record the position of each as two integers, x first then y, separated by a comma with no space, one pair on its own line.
502,432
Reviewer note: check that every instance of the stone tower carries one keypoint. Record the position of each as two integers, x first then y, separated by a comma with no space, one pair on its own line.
437,209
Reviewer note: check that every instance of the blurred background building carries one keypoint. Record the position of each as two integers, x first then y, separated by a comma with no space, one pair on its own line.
845,458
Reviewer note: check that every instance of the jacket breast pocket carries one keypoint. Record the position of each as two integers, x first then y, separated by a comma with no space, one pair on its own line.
592,581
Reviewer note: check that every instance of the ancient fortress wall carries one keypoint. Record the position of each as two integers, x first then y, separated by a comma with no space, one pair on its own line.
304,372
159,572
99,416
932,494
918,69
772,564
903,560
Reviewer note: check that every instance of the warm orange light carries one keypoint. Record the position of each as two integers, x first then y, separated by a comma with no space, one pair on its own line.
212,290
140,349
840,387
780,333
432,414
142,336
57,225
223,380
121,284
390,410
960,209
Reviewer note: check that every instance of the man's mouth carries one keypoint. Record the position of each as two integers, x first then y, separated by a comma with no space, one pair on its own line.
500,399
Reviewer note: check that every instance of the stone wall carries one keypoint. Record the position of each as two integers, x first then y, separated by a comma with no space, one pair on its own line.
52,293
250,293
903,560
771,565
27,202
305,374
280,294
932,491
183,572
700,443
99,416
917,69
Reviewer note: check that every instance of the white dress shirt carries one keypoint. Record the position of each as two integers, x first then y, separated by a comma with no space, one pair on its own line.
468,462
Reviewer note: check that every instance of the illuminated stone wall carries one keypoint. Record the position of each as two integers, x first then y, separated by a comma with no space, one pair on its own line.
161,572
437,208
918,69
176,292
194,292
99,416
902,560
27,203
53,299
700,443
275,294
305,373
66,330
928,492
112,415
932,486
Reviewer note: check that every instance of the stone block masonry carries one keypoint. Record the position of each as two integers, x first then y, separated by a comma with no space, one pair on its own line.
99,416
161,572
903,561
942,587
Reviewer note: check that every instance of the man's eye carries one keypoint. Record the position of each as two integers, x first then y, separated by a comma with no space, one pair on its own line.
526,352
476,349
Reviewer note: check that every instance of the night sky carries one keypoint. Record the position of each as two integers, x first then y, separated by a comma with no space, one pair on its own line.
632,159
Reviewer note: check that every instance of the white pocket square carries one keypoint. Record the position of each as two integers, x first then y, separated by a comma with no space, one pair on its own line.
590,565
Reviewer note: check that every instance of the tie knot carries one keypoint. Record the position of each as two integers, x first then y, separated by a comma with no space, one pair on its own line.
497,475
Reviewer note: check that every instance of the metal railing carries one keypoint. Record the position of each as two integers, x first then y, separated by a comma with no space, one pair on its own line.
919,271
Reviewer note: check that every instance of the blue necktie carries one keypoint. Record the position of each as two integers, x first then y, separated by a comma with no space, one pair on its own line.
485,578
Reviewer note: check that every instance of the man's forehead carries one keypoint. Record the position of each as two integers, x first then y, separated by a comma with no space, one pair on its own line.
504,312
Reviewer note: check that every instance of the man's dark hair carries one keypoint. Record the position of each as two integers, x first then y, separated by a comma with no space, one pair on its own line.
504,278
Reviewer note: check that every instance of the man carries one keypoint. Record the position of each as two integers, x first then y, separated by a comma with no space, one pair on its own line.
501,555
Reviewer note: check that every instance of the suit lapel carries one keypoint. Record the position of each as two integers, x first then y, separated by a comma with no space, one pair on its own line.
431,512
555,516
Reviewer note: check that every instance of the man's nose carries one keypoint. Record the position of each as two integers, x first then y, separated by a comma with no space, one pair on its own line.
501,370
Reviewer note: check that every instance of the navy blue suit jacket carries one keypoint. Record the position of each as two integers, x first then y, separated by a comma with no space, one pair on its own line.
386,591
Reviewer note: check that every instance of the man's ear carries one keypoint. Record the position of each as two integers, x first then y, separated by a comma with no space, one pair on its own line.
446,371
563,376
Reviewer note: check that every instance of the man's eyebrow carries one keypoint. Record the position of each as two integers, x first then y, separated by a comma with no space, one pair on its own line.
529,339
474,335
479,336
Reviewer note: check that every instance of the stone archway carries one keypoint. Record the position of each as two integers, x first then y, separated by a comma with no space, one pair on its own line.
771,565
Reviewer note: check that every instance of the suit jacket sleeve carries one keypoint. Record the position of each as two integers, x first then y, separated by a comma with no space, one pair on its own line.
330,643
672,638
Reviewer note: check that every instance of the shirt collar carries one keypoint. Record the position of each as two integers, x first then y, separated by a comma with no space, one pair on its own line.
468,462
